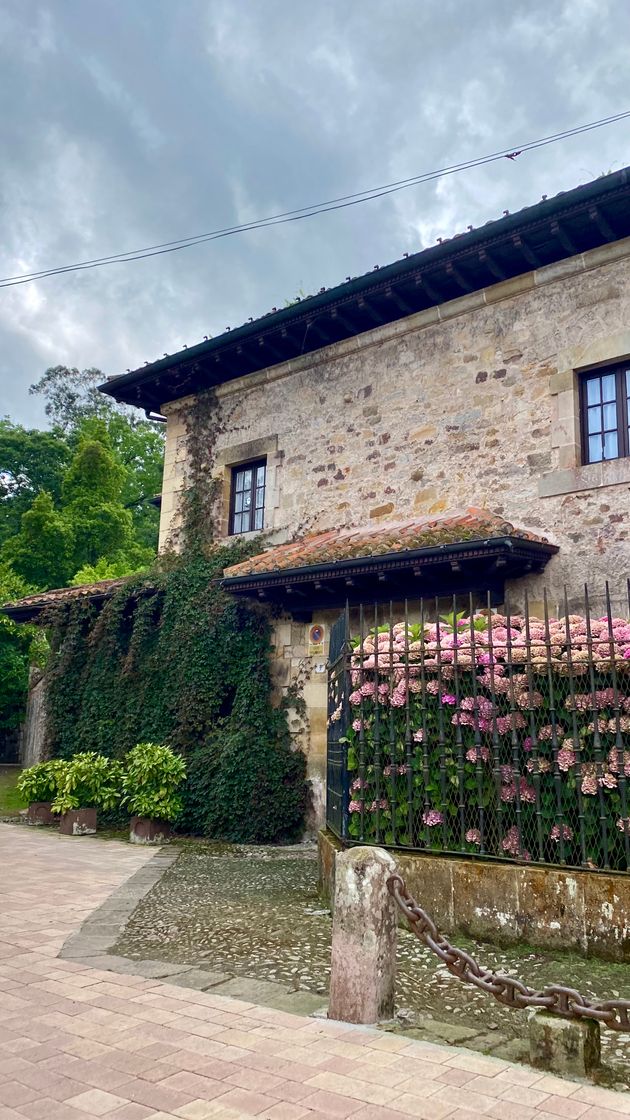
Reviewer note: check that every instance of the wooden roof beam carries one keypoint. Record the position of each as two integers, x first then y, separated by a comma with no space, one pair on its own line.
491,265
563,238
453,271
265,344
318,330
431,291
399,301
602,224
529,254
374,315
338,317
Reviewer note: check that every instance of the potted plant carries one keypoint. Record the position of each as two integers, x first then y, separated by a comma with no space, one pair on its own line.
151,778
38,786
90,782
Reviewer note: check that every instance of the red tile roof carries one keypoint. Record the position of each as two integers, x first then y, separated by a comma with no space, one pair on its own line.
32,605
451,527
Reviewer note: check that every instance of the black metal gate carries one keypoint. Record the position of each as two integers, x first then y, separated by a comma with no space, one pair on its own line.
337,798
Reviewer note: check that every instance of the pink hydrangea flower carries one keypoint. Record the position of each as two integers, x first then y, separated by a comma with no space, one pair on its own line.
566,759
448,698
567,833
431,818
473,836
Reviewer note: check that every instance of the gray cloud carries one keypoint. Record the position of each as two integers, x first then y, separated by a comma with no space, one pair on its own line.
129,124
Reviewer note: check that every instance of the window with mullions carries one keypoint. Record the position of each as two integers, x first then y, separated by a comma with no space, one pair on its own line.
605,414
247,512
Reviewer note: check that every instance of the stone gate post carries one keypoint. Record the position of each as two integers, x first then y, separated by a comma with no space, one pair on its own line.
363,962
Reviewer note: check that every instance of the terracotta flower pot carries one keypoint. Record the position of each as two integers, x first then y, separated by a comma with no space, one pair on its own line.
143,830
40,812
78,822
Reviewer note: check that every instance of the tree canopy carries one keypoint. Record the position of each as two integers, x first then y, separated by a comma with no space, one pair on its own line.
74,504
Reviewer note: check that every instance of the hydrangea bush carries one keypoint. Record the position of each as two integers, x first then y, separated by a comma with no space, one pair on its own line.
496,736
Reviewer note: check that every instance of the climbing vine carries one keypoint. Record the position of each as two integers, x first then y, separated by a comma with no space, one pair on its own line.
173,658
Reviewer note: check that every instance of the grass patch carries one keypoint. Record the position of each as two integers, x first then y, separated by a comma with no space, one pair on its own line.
10,800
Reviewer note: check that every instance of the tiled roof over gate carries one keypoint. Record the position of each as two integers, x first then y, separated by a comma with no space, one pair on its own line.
452,527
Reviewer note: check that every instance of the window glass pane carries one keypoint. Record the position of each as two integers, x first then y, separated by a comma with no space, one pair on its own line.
610,445
238,523
247,499
258,519
608,387
238,503
628,382
594,449
593,391
595,419
610,417
260,481
247,479
260,497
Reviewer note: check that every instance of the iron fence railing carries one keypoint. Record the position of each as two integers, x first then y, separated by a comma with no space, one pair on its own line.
466,730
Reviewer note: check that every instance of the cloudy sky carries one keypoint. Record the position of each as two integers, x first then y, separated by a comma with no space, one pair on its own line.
129,122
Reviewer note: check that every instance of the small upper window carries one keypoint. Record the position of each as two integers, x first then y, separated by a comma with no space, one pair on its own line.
605,413
247,501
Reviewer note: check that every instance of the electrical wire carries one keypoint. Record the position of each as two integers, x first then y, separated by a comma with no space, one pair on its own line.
314,209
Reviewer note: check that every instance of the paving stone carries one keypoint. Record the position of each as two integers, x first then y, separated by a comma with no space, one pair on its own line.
210,1054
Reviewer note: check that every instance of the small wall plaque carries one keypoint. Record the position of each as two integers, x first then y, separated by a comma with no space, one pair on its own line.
316,638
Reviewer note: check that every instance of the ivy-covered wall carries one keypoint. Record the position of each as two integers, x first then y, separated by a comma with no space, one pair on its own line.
172,658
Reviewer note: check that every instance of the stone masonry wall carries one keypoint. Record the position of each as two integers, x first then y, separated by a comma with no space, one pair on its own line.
471,403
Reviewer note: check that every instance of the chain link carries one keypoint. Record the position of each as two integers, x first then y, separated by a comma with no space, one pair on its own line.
556,998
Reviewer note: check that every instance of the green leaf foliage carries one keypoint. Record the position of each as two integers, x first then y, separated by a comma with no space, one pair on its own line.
41,782
173,659
88,781
151,778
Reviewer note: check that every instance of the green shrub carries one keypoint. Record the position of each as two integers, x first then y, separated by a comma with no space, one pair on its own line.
41,781
88,780
151,778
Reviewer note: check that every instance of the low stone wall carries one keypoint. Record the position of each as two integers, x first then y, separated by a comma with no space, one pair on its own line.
506,903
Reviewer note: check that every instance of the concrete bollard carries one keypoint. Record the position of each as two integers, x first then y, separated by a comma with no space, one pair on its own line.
363,961
564,1046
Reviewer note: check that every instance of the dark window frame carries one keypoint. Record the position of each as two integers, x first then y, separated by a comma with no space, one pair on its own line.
252,465
622,395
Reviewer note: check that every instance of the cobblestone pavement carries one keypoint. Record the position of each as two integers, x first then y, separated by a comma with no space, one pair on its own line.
255,912
76,1041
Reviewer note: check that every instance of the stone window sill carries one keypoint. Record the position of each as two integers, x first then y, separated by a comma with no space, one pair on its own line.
592,476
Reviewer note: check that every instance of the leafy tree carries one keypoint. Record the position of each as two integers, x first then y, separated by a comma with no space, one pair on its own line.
71,396
74,504
15,642
41,553
74,403
30,461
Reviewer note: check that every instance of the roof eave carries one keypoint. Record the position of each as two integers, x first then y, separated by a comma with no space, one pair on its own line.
135,386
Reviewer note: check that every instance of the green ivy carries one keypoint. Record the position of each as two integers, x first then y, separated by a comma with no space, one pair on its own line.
173,659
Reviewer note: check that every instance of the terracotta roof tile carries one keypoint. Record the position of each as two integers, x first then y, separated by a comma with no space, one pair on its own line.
377,540
43,599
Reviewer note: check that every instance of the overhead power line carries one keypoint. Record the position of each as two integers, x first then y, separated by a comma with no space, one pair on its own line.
311,211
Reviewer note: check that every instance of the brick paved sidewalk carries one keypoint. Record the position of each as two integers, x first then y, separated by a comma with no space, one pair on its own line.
78,1042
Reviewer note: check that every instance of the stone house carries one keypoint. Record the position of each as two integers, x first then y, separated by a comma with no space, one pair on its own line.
455,421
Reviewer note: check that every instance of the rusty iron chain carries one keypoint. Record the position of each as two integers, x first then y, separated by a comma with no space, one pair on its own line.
556,998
